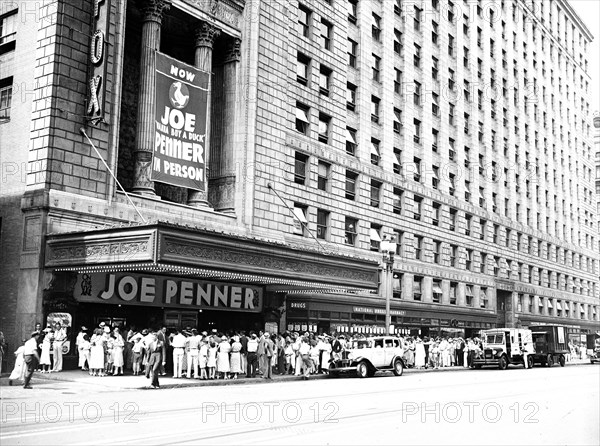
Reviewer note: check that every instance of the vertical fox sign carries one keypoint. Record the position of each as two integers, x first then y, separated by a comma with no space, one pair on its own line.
98,47
181,107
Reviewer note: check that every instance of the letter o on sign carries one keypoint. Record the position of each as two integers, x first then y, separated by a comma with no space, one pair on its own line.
97,47
128,288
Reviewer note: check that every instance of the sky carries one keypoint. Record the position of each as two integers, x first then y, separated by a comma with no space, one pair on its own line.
589,12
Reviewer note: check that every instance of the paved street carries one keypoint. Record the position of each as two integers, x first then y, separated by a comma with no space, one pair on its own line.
538,406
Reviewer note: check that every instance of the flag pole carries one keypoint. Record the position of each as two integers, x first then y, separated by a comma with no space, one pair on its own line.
82,130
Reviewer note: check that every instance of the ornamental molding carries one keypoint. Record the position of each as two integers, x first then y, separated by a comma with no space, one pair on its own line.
153,10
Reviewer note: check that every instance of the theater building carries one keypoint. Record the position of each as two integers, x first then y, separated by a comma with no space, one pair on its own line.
236,164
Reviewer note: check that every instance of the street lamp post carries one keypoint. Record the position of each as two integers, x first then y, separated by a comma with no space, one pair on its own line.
388,249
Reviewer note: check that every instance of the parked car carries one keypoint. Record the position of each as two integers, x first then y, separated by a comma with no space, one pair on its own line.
365,357
504,346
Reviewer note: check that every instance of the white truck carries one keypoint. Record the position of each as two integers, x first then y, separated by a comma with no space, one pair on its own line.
504,346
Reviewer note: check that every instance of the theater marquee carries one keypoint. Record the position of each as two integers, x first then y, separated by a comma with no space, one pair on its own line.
171,292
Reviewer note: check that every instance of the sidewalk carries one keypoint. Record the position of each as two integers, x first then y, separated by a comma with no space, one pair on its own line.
130,382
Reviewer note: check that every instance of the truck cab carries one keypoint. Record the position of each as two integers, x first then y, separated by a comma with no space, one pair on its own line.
505,346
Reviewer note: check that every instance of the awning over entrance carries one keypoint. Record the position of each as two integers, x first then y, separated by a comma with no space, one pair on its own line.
165,248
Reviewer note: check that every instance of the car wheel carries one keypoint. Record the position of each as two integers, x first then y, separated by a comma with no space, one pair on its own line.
478,366
549,360
503,363
398,368
362,370
561,360
530,362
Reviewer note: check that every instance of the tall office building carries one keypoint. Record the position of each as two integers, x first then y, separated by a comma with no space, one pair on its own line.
315,130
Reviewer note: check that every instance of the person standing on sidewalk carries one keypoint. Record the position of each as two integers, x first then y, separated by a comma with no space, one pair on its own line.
252,357
31,357
19,369
79,347
193,347
260,352
178,343
155,349
304,352
244,351
269,351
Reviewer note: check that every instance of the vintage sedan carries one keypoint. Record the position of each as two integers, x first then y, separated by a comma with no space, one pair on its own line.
367,356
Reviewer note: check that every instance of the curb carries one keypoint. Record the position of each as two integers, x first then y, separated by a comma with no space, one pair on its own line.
185,383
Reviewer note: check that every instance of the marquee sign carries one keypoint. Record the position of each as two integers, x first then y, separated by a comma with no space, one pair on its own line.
181,107
162,291
98,45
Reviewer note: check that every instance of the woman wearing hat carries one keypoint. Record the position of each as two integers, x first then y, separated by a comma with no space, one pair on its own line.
211,361
97,353
223,357
46,347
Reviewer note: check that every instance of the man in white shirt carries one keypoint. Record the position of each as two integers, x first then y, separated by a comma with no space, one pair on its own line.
304,352
252,366
30,354
178,343
192,354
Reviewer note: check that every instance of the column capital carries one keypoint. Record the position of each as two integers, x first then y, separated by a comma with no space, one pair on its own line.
234,53
152,10
206,35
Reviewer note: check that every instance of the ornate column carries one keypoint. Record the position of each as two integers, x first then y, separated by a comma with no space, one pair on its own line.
223,181
205,39
152,14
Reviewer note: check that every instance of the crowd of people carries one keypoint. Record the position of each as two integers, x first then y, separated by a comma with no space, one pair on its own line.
204,355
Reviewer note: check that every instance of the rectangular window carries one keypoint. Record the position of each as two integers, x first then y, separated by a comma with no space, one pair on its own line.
469,260
418,247
453,287
324,123
352,6
483,300
351,141
375,101
417,288
352,53
304,17
302,120
8,26
326,32
417,18
453,255
397,165
375,237
397,120
469,295
350,230
376,68
300,219
397,81
375,193
437,291
323,175
350,96
351,179
397,201
418,205
417,94
435,217
322,224
5,97
376,27
397,42
324,80
375,155
302,69
301,160
417,56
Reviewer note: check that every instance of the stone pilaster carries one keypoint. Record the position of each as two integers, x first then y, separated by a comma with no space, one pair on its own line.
205,39
152,14
223,181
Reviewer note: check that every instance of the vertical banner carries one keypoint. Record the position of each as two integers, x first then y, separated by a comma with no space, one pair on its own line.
181,107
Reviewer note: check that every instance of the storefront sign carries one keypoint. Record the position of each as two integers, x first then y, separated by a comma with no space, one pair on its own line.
371,310
172,292
181,105
98,47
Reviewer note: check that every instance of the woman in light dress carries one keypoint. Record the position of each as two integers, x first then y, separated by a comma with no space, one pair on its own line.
419,354
325,355
46,347
18,371
236,357
223,357
97,353
117,352
211,361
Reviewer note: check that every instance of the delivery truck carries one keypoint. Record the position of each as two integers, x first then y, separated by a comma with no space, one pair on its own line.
551,345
